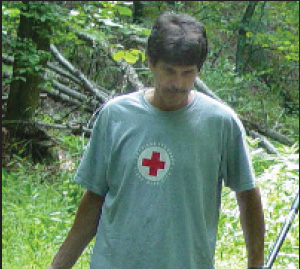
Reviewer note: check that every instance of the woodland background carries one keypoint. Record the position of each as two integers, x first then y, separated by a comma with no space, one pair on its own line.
62,60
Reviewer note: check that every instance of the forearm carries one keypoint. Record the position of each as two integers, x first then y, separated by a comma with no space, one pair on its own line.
70,250
252,221
82,231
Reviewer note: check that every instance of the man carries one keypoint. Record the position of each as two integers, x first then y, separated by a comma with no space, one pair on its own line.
155,166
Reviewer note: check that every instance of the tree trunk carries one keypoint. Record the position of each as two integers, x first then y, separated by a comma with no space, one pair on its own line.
242,37
26,85
137,11
30,59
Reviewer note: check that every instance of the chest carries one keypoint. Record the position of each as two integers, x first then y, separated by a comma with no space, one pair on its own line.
153,144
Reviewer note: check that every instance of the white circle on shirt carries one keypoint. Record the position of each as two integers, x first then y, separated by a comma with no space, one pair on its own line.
154,163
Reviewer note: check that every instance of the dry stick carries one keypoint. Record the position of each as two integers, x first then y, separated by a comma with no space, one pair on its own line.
268,132
70,91
72,127
202,87
64,73
65,98
264,142
101,95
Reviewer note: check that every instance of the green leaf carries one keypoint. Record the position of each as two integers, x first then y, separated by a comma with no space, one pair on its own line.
120,54
281,48
145,32
12,12
130,58
20,78
125,11
22,70
135,52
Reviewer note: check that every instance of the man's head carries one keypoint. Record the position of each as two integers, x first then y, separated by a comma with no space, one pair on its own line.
177,39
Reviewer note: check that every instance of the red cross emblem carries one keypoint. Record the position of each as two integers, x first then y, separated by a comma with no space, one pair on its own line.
154,163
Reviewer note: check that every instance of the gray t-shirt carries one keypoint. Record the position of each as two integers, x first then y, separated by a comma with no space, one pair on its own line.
161,174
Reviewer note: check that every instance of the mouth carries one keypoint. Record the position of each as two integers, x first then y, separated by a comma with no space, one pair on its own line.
175,90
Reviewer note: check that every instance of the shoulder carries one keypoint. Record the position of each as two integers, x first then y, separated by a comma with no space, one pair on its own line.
220,112
123,101
122,107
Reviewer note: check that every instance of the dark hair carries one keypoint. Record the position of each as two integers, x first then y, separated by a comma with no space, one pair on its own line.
177,39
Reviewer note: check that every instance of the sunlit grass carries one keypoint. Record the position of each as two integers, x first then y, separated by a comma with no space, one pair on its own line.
277,178
39,205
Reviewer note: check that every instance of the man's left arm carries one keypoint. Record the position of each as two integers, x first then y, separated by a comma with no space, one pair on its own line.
252,221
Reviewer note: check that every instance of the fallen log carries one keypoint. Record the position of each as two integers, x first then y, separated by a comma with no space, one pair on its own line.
56,94
267,132
9,60
64,73
74,128
100,94
264,143
69,91
202,87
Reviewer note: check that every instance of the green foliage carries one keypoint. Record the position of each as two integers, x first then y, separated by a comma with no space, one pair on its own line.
284,36
40,11
278,181
38,218
10,18
24,48
38,210
249,96
29,56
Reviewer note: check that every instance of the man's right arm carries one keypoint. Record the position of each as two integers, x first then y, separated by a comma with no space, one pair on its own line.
82,232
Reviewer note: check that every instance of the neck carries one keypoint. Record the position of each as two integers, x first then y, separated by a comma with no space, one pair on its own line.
168,103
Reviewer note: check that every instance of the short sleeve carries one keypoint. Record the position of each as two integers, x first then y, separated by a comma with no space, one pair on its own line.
236,167
91,172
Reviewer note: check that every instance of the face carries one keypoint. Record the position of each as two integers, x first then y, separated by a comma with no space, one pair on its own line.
173,83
